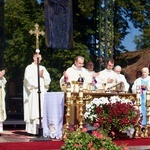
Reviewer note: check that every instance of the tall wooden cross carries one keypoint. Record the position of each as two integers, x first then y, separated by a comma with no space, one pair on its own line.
37,33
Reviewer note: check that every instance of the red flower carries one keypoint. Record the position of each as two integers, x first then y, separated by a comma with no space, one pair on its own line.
84,129
97,134
71,129
90,144
77,145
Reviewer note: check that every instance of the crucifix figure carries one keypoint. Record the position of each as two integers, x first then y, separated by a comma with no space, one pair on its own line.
37,33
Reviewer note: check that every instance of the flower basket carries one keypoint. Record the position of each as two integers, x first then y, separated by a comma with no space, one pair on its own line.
113,113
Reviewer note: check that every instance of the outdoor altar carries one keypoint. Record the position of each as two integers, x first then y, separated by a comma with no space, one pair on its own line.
125,103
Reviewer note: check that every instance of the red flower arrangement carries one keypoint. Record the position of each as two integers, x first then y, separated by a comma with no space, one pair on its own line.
113,114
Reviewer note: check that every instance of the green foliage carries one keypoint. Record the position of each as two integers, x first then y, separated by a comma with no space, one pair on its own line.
19,43
86,7
21,16
137,12
143,41
81,140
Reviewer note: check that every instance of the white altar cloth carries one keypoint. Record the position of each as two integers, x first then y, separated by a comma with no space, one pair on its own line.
53,114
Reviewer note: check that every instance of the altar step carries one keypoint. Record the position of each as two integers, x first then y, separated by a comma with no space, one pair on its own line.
13,123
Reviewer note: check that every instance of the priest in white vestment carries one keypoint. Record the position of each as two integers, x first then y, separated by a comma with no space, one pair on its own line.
76,71
142,83
121,78
3,115
73,73
30,93
107,77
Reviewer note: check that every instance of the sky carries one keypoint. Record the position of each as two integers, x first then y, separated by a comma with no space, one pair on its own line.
39,1
128,42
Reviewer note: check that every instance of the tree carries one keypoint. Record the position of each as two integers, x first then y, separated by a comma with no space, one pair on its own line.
143,41
88,12
21,16
136,12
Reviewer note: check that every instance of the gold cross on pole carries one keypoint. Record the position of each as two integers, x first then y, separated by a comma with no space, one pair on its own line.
37,33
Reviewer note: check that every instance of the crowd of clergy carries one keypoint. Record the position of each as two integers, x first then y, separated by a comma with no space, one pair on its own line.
109,78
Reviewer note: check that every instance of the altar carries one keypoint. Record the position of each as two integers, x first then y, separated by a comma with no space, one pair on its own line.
59,111
76,103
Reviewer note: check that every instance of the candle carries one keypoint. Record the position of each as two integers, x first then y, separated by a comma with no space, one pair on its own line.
68,90
148,95
76,88
81,91
138,94
148,98
81,94
68,94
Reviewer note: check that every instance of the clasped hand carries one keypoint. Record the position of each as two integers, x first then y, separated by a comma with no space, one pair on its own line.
2,73
41,73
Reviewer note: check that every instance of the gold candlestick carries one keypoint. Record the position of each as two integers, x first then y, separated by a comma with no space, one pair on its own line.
68,104
148,113
81,107
138,95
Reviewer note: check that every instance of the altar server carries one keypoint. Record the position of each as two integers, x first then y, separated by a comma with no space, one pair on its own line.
30,93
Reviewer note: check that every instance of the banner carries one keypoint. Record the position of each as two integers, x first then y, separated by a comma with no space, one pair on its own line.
58,24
